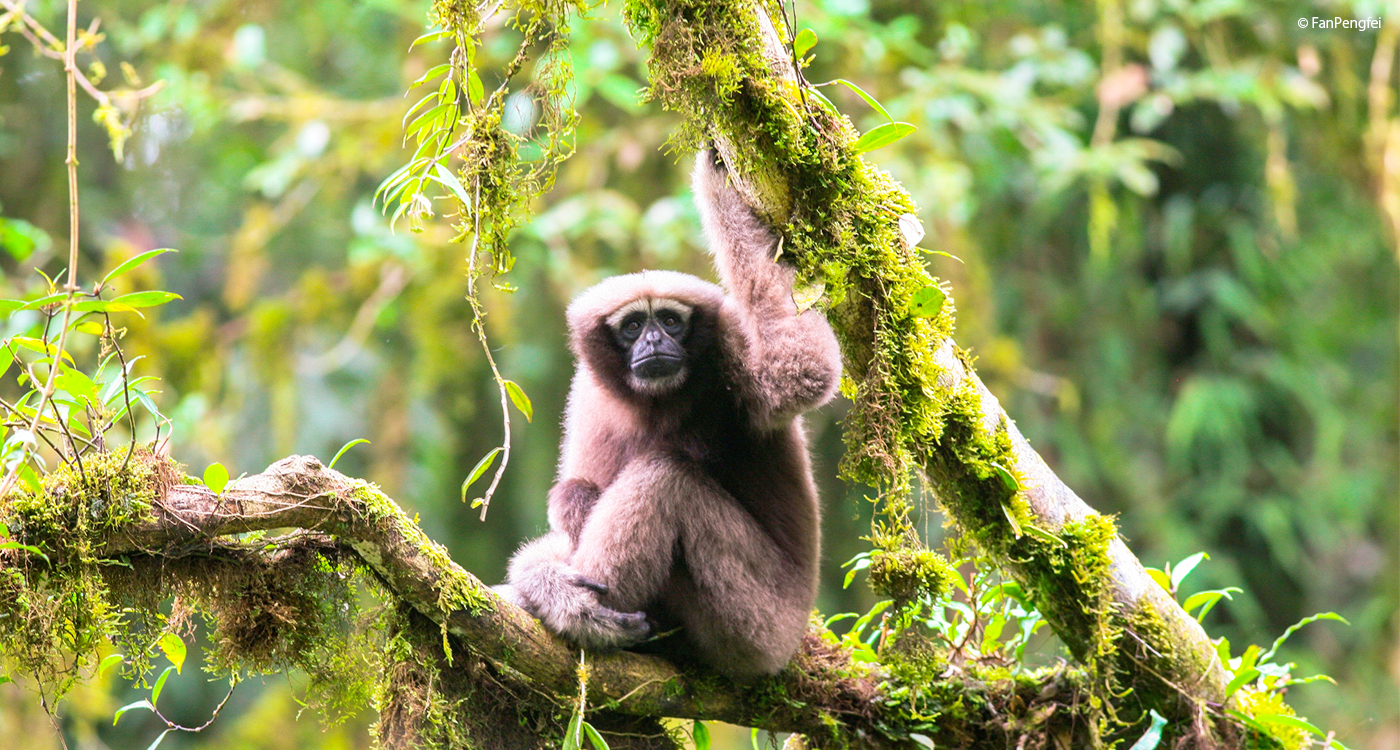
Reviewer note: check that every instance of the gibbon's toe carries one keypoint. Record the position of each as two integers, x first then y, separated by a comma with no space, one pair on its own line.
601,589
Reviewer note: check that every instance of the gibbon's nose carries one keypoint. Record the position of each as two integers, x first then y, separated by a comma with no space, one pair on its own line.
655,355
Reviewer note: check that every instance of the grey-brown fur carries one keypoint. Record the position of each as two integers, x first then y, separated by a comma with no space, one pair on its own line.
694,505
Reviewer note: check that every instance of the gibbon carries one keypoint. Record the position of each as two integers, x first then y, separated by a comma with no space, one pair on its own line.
685,496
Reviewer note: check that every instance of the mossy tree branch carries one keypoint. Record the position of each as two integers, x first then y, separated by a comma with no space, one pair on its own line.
919,406
822,694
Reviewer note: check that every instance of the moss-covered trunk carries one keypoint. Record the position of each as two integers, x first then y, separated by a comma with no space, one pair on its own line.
919,407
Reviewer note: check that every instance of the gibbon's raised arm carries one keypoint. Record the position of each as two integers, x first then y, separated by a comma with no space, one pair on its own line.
787,362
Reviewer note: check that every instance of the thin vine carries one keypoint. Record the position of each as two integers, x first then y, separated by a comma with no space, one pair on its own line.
503,159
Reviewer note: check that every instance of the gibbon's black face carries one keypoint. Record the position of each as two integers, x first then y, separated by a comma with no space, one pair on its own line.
652,334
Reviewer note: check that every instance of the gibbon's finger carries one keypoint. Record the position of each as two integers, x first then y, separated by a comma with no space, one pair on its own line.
601,589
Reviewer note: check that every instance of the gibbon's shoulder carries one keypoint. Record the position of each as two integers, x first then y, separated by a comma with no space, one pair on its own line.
602,299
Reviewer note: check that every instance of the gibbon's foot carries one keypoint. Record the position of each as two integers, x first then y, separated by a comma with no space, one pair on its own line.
510,594
603,628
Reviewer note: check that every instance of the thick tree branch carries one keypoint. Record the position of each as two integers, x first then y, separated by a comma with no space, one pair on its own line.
822,694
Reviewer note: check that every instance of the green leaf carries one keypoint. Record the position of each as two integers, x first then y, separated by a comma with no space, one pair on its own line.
595,739
448,180
1207,600
31,549
1153,736
1294,628
1246,671
1008,480
158,739
927,302
109,663
133,262
883,135
1161,578
701,733
130,706
476,93
1044,535
216,478
1184,568
1011,519
45,301
806,40
1289,721
521,401
344,448
805,296
431,36
146,299
478,470
77,383
875,105
431,73
160,685
571,733
173,648
103,306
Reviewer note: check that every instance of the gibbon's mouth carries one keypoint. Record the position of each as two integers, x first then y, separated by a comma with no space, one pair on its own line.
656,367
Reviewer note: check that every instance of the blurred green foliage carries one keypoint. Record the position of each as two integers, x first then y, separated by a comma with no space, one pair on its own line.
1174,225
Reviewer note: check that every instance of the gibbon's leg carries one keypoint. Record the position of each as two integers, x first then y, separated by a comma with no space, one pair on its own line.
744,603
627,543
570,502
541,581
751,603
791,361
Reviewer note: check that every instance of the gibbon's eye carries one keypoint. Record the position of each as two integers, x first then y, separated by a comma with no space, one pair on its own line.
631,327
670,322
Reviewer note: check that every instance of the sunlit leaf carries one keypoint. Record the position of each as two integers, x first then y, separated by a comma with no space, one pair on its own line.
146,299
883,135
216,478
160,685
131,706
806,40
1294,628
431,73
521,401
158,740
45,301
594,738
345,448
1161,577
431,36
174,649
109,663
1184,568
133,262
927,302
476,93
874,104
447,179
478,470
701,734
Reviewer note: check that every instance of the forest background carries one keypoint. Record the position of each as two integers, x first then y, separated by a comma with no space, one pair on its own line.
1189,305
